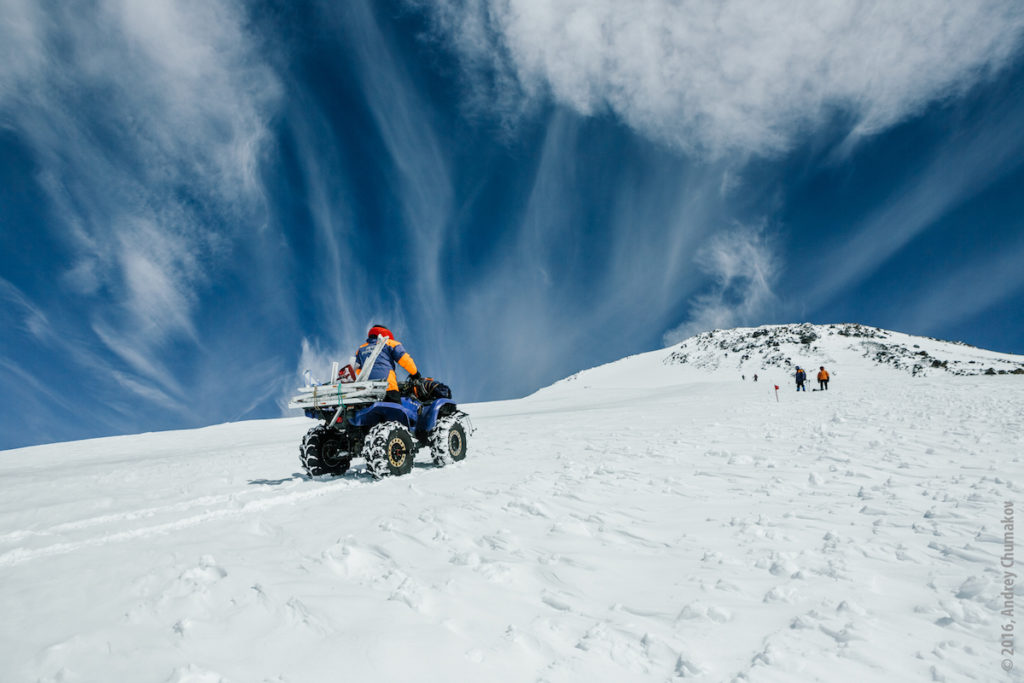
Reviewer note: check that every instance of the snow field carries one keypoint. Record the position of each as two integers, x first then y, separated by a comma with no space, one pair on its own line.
701,530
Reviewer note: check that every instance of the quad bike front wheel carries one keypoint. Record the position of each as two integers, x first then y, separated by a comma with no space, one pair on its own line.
389,450
321,454
448,440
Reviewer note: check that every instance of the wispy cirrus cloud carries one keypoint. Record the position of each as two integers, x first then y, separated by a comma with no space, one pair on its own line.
146,122
723,81
743,267
740,75
20,313
418,168
981,153
594,259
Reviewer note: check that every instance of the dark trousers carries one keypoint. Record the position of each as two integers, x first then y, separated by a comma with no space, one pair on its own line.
800,386
823,384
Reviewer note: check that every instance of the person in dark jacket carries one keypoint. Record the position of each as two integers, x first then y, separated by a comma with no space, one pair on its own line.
392,355
801,377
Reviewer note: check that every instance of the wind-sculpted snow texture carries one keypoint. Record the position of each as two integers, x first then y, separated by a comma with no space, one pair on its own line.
644,521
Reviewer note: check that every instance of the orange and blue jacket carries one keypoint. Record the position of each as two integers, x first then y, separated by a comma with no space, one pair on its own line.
391,355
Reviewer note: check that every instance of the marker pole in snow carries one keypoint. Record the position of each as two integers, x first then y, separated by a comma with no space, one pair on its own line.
776,393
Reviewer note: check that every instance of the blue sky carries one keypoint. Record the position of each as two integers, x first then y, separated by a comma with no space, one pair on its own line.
198,200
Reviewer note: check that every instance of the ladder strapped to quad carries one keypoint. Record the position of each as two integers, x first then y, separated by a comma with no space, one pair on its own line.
344,393
334,395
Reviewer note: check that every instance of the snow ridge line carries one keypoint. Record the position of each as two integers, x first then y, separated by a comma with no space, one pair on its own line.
20,555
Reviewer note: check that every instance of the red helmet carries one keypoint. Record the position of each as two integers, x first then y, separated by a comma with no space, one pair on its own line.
379,330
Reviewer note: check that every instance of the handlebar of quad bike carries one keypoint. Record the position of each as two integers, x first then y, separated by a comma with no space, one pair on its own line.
408,388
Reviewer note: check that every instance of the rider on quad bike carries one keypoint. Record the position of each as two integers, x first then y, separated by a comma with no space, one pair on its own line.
391,355
379,419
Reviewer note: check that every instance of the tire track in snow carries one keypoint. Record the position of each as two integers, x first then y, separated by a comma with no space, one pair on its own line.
22,555
129,516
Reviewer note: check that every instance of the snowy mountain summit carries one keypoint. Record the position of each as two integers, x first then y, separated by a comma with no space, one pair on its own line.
846,350
784,347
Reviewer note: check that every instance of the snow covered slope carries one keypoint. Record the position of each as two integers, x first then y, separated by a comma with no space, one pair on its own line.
651,519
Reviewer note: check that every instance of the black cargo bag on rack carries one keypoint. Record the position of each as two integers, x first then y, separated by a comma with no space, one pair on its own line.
430,389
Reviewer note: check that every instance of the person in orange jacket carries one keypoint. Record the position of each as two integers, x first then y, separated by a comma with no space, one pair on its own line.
822,378
393,354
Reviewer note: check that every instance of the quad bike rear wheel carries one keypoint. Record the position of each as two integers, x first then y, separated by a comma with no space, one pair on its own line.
321,453
389,450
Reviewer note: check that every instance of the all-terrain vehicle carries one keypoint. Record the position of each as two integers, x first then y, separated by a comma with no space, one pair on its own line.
357,423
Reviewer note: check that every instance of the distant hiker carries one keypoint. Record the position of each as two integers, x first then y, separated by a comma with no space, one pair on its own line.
391,355
822,378
801,377
755,377
743,377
